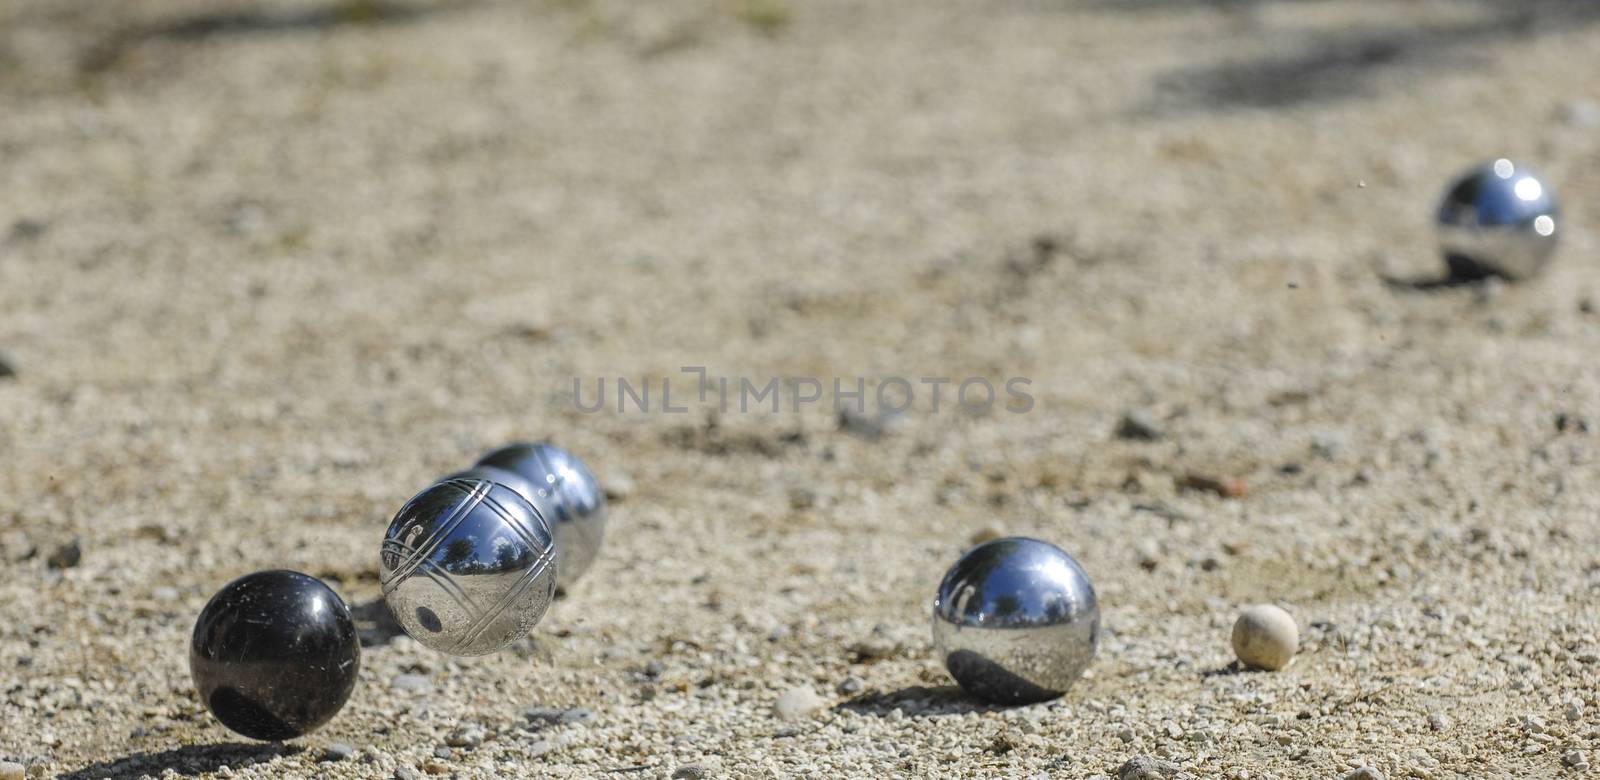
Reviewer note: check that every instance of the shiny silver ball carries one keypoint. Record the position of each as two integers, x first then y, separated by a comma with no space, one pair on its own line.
1499,219
564,491
468,566
1016,621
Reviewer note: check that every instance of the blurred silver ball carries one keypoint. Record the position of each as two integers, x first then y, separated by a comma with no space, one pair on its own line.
563,490
1498,219
1016,621
468,567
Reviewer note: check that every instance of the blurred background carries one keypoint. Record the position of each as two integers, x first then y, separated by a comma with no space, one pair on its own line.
267,268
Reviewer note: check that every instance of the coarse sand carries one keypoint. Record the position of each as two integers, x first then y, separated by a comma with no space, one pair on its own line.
267,268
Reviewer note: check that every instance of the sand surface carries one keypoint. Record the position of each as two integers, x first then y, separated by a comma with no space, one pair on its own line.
268,268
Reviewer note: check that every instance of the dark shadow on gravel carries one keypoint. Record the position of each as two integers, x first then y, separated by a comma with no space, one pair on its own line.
187,761
1344,63
917,700
108,52
374,624
1460,275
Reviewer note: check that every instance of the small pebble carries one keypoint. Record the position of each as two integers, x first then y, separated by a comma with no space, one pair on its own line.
66,556
406,773
1580,113
7,371
10,770
1363,773
410,682
618,486
577,715
1145,768
542,714
802,498
442,751
1139,425
25,229
691,772
869,427
1265,637
466,736
338,751
1227,487
797,703
985,534
433,767
849,687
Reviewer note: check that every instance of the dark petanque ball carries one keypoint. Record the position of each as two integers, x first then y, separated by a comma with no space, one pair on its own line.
274,655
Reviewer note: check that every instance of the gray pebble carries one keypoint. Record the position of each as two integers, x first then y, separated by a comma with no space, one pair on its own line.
66,556
1328,444
406,773
577,715
542,714
691,772
466,736
1363,773
1139,425
26,229
796,703
338,751
849,687
410,682
869,427
618,486
1145,768
442,751
1580,113
164,593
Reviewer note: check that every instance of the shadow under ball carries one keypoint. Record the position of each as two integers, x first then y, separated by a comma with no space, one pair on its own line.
568,496
1498,220
274,655
467,566
1016,621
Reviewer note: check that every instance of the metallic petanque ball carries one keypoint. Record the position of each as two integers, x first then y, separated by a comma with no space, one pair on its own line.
1016,621
274,655
468,566
1499,219
565,493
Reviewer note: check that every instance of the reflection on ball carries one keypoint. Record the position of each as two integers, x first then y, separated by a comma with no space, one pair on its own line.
565,493
1499,219
274,655
1016,621
468,567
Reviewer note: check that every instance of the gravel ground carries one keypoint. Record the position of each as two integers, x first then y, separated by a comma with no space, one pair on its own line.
265,270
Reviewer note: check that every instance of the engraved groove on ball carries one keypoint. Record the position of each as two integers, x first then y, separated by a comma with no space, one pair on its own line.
564,491
468,566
